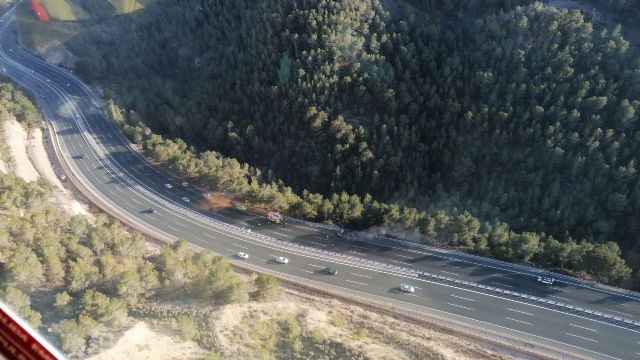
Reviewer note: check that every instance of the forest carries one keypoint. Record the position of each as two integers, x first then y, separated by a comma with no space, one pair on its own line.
500,114
81,277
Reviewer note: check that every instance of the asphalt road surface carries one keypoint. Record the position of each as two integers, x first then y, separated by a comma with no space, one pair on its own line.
105,162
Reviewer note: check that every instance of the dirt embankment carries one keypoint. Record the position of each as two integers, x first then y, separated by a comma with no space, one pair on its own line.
142,343
30,161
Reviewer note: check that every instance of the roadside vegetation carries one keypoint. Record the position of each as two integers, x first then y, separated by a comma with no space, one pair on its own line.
508,131
92,273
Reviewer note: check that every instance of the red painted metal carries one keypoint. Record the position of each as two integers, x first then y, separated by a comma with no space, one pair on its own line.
39,10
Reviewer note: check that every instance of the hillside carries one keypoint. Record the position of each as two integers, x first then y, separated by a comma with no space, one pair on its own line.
526,116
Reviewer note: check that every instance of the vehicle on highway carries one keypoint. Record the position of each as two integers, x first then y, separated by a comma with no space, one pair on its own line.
151,210
185,184
546,280
82,156
275,217
63,177
207,195
330,271
186,199
168,186
282,260
242,255
407,288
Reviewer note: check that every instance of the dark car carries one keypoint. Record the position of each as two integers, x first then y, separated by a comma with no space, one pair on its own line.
331,271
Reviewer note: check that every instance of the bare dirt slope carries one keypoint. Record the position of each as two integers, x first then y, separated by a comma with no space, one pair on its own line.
29,160
236,330
142,343
16,138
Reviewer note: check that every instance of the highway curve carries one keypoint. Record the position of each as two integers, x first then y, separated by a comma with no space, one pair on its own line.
108,168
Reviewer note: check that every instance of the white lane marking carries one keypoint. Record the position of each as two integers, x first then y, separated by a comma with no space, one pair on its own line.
516,320
240,246
582,327
518,311
581,337
307,271
181,224
501,284
136,201
318,266
315,243
405,256
364,276
559,289
619,312
355,282
399,262
128,204
448,272
460,297
281,234
460,306
172,228
513,329
319,237
483,264
561,298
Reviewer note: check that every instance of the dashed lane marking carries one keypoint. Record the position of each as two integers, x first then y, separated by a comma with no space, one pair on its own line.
315,243
581,337
460,297
620,312
582,327
448,272
460,306
240,246
355,282
364,276
520,321
519,311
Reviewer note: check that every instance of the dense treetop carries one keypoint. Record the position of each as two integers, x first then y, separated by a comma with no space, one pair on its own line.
510,110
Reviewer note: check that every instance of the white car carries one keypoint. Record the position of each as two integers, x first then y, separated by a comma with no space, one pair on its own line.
185,184
546,280
282,260
243,255
407,288
207,195
168,186
186,199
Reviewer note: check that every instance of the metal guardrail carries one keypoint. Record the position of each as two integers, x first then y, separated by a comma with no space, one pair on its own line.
404,271
506,265
428,316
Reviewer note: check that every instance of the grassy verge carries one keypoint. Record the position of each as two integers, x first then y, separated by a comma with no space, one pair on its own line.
64,10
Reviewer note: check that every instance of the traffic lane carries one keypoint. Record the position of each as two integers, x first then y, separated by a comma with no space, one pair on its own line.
559,327
435,263
360,284
515,283
273,232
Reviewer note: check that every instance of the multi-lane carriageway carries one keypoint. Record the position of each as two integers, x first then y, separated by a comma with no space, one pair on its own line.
127,184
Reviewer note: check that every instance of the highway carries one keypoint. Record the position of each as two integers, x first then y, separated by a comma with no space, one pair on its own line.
122,178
